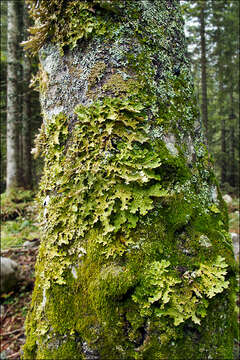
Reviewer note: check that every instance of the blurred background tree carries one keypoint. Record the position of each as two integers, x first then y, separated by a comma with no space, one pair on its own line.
20,109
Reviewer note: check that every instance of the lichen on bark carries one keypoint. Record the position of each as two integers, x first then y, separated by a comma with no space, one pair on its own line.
136,261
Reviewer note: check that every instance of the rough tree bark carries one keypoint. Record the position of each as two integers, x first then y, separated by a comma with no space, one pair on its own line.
136,261
12,98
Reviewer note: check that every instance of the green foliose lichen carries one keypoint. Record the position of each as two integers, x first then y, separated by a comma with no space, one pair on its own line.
40,81
165,293
105,191
66,23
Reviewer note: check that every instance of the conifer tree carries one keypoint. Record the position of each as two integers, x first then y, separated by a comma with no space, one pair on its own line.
221,20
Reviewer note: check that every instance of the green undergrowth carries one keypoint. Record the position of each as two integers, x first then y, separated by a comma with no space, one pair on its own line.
15,203
15,232
18,218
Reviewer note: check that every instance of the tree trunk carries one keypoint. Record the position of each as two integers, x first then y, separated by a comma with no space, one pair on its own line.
204,104
232,154
12,98
26,114
20,85
136,261
232,139
223,134
222,93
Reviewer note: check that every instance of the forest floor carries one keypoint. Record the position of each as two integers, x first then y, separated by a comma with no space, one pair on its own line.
14,305
19,223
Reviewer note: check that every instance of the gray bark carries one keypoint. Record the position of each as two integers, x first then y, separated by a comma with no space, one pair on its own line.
12,98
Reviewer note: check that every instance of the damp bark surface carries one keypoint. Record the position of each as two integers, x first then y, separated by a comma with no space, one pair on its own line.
135,261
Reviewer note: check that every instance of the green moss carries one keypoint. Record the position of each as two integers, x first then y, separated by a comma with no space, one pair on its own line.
117,86
125,183
62,352
95,75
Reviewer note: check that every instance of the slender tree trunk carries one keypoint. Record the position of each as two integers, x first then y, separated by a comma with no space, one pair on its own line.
232,140
204,104
135,253
20,54
26,113
12,98
232,154
20,114
223,134
221,95
223,150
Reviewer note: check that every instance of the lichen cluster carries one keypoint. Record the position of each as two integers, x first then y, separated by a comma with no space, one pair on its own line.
136,261
67,22
180,299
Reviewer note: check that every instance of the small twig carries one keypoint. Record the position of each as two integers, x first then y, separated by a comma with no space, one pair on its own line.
12,332
3,316
20,249
15,354
11,340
